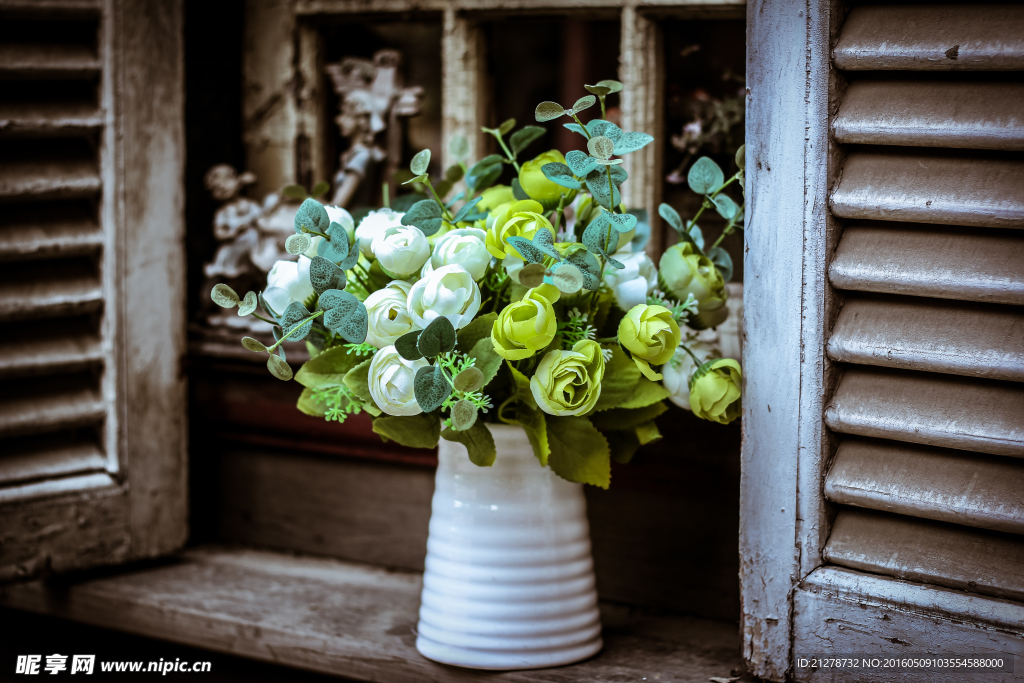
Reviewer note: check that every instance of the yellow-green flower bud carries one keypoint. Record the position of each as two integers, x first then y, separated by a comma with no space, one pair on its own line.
525,327
715,391
520,219
533,180
493,197
686,272
651,336
569,382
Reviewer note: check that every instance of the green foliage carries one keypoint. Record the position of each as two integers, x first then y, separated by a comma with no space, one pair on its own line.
407,347
345,315
579,163
534,424
597,185
339,402
297,243
723,262
479,329
420,162
309,406
579,452
470,379
311,217
623,445
414,431
486,360
631,142
253,345
523,394
725,206
358,381
588,265
324,275
431,388
613,86
459,147
566,277
484,173
645,394
532,275
337,248
621,376
224,296
464,415
465,210
560,174
741,157
329,368
629,418
478,442
248,305
705,176
648,432
296,322
426,215
522,138
671,216
547,111
439,337
600,147
585,102
622,222
279,368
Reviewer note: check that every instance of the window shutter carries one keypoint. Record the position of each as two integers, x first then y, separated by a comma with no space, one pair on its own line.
929,470
76,228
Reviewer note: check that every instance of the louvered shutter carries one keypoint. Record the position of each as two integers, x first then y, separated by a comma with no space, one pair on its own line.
80,222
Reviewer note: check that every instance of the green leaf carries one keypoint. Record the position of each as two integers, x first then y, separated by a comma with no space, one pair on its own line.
583,103
248,304
600,147
560,174
337,248
478,441
622,222
470,379
358,380
613,86
443,188
297,243
705,176
671,216
420,162
479,329
602,128
345,315
425,215
414,431
224,296
487,361
535,426
566,277
579,163
623,445
741,157
454,173
458,147
466,208
522,138
530,253
254,345
328,369
422,178
324,275
464,415
320,189
279,368
506,126
431,388
621,376
311,216
439,337
575,128
296,318
294,192
597,184
533,274
483,173
407,347
629,418
546,111
645,393
725,206
599,90
647,432
631,142
309,405
517,190
523,393
723,262
579,452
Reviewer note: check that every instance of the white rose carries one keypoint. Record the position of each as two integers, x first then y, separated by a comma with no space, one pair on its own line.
631,284
375,222
391,382
462,246
678,370
401,250
288,281
448,291
513,264
388,316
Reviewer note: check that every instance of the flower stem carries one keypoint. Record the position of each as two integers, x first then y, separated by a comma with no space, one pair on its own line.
611,189
585,131
444,211
696,361
508,154
314,232
294,328
604,115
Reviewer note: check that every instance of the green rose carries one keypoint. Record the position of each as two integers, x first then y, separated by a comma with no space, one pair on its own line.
715,391
520,219
686,272
525,327
493,197
533,180
569,382
651,336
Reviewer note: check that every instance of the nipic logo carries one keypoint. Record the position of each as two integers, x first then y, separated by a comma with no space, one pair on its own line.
55,663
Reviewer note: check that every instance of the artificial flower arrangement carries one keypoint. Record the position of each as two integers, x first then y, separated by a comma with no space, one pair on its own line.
532,304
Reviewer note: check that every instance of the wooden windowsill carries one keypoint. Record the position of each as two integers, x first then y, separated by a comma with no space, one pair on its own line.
346,619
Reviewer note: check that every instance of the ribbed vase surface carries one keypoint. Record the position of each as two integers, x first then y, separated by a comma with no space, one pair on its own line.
509,581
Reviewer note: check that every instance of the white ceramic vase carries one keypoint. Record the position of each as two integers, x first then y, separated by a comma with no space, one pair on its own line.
509,581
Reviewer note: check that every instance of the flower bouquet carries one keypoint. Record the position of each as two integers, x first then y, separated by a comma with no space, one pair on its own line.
532,306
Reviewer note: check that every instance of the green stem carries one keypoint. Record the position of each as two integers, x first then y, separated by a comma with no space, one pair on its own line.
712,196
387,199
501,290
260,317
560,215
293,330
511,158
611,188
314,232
604,115
606,340
501,410
440,203
696,361
585,131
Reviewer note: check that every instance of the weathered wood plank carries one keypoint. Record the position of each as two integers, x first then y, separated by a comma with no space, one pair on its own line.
840,611
463,78
349,620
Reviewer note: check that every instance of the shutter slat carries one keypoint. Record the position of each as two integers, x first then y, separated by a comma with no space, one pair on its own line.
46,462
51,406
49,118
43,354
51,179
932,38
948,555
924,188
931,261
973,489
931,335
932,114
939,410
51,239
65,294
49,60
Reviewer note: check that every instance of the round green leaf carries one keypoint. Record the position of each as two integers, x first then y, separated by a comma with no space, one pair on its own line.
532,275
600,147
254,345
705,176
431,388
523,137
248,304
579,163
567,278
311,216
585,102
464,414
297,244
320,189
470,379
599,90
420,162
546,111
294,192
279,368
506,126
725,206
560,174
224,296
741,157
672,216
613,86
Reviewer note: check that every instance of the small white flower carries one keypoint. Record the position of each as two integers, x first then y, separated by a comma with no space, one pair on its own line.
391,382
632,283
678,370
401,250
448,291
288,281
388,316
375,222
462,246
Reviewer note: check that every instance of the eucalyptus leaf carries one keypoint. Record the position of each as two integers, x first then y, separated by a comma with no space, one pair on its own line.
295,318
725,206
443,187
407,347
461,214
599,90
470,379
254,345
248,304
420,163
294,192
631,142
585,102
506,126
613,86
588,266
567,278
426,215
224,296
671,216
337,248
431,388
483,173
623,222
454,173
741,157
546,111
324,275
517,190
458,147
522,138
438,337
279,368
696,235
576,128
643,230
422,178
527,250
478,441
464,415
320,189
297,243
723,262
579,163
560,174
705,176
545,241
600,147
597,184
345,315
532,275
606,129
311,216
